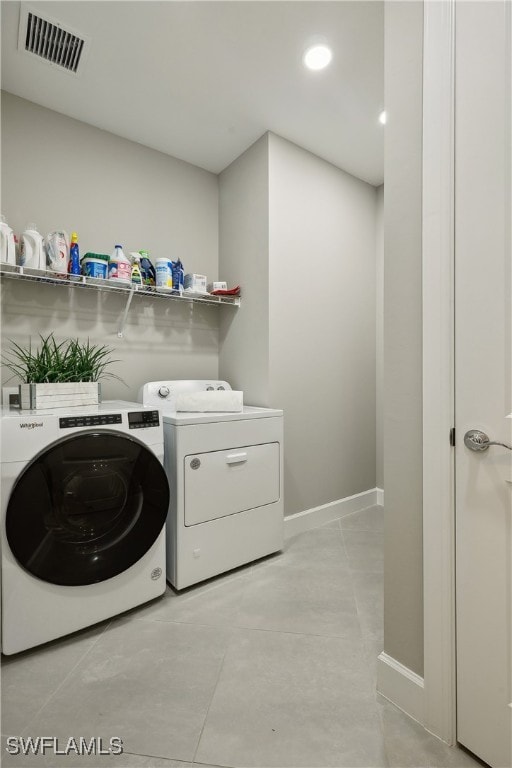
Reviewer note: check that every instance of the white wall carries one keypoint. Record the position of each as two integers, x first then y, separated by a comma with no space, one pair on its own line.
59,172
403,433
243,244
304,234
322,324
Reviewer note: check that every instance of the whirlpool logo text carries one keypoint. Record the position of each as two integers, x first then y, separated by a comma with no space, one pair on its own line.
30,424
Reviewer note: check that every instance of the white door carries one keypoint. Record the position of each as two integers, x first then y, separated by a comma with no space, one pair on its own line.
483,398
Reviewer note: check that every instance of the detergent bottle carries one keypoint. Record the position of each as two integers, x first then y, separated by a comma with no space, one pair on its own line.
147,270
57,252
32,253
7,245
74,256
119,266
178,274
136,273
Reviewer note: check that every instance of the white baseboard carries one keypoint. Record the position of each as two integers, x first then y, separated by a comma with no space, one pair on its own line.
380,496
326,513
403,687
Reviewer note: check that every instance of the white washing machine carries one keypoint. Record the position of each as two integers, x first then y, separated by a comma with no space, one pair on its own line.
84,499
225,475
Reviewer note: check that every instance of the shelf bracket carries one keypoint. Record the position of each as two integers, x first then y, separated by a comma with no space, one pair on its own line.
125,314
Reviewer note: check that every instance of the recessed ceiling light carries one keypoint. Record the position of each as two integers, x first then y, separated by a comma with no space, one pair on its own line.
317,57
383,117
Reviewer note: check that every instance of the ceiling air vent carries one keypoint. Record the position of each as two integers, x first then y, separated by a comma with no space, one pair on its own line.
51,41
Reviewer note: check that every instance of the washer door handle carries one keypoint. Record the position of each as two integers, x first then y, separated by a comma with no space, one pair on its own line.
236,458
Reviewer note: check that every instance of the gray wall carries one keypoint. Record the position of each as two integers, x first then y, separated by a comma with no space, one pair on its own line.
403,573
303,232
322,324
379,345
243,245
59,172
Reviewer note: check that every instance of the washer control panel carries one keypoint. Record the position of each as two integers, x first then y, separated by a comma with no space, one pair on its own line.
98,420
136,420
143,419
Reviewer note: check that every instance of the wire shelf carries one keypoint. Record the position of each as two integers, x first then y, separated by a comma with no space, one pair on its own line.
82,282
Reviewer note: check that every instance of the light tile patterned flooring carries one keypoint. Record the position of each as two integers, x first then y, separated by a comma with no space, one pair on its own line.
269,666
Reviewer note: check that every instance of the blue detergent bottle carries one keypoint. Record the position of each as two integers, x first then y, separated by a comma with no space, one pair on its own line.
178,274
74,256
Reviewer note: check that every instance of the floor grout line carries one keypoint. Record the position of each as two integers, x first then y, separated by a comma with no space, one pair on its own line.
235,626
221,667
170,760
290,632
362,530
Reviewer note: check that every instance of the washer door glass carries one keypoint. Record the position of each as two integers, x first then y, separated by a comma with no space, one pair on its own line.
87,508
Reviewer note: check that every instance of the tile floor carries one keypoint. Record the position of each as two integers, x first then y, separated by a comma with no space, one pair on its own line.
270,666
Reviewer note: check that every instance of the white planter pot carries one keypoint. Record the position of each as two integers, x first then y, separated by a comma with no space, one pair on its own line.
50,396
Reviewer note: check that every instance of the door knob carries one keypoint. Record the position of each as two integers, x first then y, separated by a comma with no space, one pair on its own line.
478,441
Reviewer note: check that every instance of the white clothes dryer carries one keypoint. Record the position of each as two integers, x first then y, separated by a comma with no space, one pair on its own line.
225,474
83,507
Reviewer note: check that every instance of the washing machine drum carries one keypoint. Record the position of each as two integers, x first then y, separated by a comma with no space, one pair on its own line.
87,508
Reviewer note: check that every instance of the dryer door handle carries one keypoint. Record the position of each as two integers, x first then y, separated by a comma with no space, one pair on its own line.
236,458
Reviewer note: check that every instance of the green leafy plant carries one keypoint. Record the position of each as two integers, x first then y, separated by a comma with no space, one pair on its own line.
71,360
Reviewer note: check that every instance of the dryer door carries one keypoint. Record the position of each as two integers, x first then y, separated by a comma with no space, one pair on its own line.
87,508
221,483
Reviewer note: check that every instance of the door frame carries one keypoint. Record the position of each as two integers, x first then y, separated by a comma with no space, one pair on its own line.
438,255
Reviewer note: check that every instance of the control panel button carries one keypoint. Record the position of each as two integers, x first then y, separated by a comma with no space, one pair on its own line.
164,392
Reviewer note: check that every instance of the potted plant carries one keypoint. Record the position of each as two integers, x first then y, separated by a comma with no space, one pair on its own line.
57,375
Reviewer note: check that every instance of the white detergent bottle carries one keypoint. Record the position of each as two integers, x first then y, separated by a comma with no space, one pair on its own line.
32,253
7,246
120,267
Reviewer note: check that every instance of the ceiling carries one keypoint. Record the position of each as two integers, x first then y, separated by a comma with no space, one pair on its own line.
203,80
